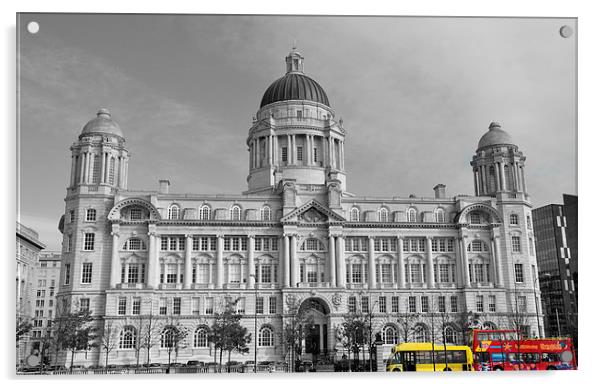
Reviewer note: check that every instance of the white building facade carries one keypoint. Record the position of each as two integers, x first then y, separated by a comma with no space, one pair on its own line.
300,233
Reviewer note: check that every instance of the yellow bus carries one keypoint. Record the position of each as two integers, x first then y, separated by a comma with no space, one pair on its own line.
419,356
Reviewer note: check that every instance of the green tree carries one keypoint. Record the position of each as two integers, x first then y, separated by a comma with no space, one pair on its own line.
227,334
74,331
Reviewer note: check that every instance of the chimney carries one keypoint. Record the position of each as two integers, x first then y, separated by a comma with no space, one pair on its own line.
439,190
164,186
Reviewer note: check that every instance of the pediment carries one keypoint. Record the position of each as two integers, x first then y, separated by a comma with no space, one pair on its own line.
312,212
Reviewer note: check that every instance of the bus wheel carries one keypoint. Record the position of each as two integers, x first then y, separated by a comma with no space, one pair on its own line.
448,369
498,368
396,370
551,367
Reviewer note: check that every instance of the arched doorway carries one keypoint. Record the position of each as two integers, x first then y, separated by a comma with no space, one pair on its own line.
315,333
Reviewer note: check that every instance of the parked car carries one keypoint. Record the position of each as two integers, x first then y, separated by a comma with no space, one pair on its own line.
195,363
155,365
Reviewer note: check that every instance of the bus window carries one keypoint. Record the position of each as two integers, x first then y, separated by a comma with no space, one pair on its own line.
483,336
458,357
550,357
482,357
498,357
513,357
495,336
530,358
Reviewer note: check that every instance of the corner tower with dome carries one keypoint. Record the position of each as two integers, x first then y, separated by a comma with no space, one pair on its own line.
294,239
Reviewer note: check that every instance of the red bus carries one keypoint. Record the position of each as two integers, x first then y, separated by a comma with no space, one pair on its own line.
496,350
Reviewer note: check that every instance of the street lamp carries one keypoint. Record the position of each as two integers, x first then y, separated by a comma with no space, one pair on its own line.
255,309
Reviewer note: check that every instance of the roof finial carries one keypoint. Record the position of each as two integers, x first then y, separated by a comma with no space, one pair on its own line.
294,44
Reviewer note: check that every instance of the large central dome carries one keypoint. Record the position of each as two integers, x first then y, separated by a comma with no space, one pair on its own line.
295,85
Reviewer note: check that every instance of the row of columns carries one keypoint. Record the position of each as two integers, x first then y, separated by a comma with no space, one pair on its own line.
264,149
337,267
113,169
515,181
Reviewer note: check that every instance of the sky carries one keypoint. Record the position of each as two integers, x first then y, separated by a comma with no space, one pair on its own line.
415,94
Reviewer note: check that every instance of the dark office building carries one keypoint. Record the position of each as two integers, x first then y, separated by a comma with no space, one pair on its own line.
556,244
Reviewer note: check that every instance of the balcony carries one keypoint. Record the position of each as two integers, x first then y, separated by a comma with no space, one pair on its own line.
417,286
170,286
387,285
234,286
202,286
446,285
130,286
357,286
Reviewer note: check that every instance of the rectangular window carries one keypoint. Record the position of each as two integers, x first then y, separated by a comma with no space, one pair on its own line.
91,215
480,307
213,243
416,273
299,114
266,273
67,273
365,305
240,305
382,304
86,273
352,304
412,304
164,243
40,303
136,306
424,304
196,306
133,273
522,304
162,306
516,244
492,304
441,304
284,154
453,303
274,243
181,243
84,304
122,304
209,306
71,216
272,304
356,273
88,241
204,243
394,304
315,155
519,276
299,153
177,306
51,291
195,243
531,250
69,242
259,305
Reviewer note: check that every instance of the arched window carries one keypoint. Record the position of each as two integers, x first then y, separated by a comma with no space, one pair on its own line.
420,334
134,244
112,171
489,326
354,214
127,338
168,337
451,335
390,335
96,169
266,337
478,246
411,215
173,212
266,213
200,337
205,212
383,214
439,215
513,219
235,213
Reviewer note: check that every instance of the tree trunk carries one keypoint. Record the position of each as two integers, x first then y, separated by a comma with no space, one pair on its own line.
220,360
229,355
72,355
107,359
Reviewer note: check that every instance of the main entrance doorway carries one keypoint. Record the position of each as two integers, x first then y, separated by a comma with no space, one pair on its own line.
315,339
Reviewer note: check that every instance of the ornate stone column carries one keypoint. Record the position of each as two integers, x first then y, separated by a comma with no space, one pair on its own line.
188,262
286,270
371,264
294,263
115,261
401,270
503,176
332,266
498,261
340,242
429,262
251,261
497,176
464,258
220,261
307,150
153,257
